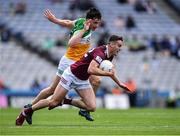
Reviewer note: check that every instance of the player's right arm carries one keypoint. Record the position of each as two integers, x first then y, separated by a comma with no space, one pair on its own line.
76,38
64,23
94,69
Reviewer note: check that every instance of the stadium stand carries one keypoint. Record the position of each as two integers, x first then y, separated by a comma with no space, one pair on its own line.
19,67
175,4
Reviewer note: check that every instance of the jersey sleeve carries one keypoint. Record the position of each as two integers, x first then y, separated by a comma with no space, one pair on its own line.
74,21
78,25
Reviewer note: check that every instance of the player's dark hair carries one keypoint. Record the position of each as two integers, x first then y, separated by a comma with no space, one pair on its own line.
114,38
93,13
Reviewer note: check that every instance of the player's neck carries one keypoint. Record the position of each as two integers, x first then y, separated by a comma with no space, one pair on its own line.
109,51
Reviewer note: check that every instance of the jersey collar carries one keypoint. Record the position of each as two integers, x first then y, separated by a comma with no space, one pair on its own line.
107,51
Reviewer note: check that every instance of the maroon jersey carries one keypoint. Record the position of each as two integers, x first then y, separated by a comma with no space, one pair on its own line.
80,68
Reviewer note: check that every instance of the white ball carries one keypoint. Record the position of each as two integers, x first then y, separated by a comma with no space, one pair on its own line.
106,65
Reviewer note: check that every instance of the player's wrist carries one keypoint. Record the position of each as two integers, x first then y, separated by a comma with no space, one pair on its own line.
110,74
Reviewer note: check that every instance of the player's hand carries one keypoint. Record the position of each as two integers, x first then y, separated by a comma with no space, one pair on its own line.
49,15
112,72
87,25
126,88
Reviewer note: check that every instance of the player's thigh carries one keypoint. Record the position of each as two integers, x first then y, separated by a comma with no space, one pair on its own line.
59,93
55,82
63,86
95,80
87,96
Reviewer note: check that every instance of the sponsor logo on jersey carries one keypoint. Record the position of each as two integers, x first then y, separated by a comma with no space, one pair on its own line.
98,59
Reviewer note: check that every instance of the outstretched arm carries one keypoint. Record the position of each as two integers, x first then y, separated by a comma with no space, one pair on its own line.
51,17
120,84
95,70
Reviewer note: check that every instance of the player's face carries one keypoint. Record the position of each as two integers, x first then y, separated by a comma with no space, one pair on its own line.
117,47
95,23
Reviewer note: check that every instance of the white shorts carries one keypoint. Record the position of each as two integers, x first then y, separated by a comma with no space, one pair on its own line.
70,81
63,64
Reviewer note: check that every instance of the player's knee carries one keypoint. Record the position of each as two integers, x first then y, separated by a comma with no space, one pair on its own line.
53,104
91,107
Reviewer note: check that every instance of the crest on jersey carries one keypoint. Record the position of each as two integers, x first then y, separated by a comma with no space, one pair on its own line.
98,59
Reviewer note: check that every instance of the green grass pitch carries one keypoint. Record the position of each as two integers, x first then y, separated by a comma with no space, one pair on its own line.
107,122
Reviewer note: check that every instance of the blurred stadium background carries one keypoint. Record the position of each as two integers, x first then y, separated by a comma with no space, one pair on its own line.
31,47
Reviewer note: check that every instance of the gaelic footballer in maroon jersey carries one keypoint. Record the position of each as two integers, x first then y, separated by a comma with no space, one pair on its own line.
80,68
76,77
78,73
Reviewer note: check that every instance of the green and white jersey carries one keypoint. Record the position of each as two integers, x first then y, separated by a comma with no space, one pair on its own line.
76,52
79,25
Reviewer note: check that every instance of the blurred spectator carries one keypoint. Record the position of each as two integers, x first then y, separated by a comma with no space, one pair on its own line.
165,45
131,84
56,1
145,64
60,42
134,44
177,54
140,6
35,85
39,85
5,34
47,44
122,1
144,42
20,8
81,5
105,90
3,86
43,83
131,2
145,6
73,5
103,38
130,22
119,22
175,46
151,6
155,43
116,90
